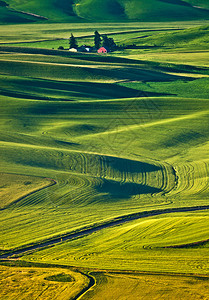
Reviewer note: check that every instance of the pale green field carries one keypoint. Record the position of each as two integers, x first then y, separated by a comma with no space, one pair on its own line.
195,58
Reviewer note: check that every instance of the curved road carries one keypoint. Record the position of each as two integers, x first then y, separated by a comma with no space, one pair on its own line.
86,231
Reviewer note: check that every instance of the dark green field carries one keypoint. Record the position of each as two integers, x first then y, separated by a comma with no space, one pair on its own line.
104,158
14,11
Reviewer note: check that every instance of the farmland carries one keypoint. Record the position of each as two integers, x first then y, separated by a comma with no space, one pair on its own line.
40,282
174,287
87,140
14,11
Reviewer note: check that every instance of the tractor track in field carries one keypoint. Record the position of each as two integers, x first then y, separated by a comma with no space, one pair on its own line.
52,182
90,230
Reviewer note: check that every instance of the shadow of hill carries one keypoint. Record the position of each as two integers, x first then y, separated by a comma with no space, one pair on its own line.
80,89
65,143
114,190
186,137
132,166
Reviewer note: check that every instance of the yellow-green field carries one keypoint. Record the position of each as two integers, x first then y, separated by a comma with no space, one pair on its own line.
88,140
40,283
175,243
147,286
196,58
14,187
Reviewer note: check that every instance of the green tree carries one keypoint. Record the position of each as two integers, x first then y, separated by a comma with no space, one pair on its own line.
106,42
112,44
109,43
97,40
3,3
73,42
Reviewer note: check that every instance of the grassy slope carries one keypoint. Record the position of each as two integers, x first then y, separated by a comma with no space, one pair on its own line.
192,38
140,245
52,10
64,140
7,16
154,10
196,58
22,185
200,3
199,87
67,11
189,37
52,32
112,153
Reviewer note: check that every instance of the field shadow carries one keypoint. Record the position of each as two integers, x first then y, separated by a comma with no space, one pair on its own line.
177,68
17,94
183,138
114,190
125,165
145,74
80,89
64,143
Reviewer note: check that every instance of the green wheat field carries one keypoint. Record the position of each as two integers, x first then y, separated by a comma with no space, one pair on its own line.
104,159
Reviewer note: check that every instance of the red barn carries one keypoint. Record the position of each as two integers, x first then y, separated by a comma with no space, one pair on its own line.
102,50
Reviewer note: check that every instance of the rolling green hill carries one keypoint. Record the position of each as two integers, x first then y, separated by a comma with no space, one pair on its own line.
200,3
105,10
52,10
12,16
104,162
98,125
153,10
197,37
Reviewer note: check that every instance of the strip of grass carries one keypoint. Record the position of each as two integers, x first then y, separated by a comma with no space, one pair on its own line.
195,58
39,32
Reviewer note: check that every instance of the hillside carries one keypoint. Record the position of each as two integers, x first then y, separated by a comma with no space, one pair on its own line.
197,37
153,10
104,159
14,11
61,11
199,3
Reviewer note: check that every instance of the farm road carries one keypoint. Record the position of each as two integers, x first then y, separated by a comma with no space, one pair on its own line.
86,231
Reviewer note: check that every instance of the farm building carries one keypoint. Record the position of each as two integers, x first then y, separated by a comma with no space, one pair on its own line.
73,50
102,50
84,48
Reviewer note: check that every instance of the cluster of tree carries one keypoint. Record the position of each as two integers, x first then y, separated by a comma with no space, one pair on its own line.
99,40
72,41
3,3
